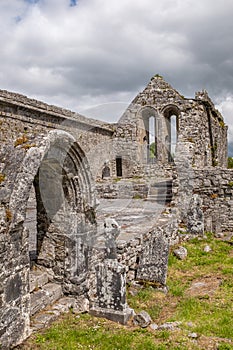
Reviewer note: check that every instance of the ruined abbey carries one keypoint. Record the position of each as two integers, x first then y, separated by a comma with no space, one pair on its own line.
87,206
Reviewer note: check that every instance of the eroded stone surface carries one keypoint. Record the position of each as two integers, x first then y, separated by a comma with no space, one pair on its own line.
147,187
181,253
142,319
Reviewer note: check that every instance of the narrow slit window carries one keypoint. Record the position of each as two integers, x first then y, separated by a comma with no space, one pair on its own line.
119,166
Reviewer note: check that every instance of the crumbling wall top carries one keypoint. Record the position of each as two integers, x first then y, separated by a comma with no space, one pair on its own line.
42,107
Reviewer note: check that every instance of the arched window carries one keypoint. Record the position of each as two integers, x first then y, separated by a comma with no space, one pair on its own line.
151,133
171,114
174,132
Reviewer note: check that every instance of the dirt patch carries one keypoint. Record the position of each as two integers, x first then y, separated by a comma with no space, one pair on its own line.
206,286
168,309
212,343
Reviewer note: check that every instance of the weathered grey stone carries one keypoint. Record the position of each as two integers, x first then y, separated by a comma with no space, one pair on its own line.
170,325
181,253
111,292
45,296
142,319
207,249
58,155
193,335
114,315
195,217
111,232
38,279
43,320
153,263
153,326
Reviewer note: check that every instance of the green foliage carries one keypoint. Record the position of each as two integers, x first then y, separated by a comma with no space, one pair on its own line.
176,287
157,76
117,179
153,150
91,333
137,196
230,163
222,124
163,335
213,320
211,315
224,346
145,300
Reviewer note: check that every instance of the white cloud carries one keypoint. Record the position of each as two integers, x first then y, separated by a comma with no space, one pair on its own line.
226,108
103,51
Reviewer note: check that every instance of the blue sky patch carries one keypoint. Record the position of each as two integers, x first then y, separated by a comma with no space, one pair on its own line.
73,2
32,1
18,19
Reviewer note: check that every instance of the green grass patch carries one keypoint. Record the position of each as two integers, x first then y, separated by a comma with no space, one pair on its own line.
210,313
146,299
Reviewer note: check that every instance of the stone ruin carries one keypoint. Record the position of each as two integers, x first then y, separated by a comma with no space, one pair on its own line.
87,206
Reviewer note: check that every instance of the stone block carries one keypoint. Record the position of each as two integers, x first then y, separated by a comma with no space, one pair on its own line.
38,279
153,263
181,253
44,297
122,316
110,301
142,319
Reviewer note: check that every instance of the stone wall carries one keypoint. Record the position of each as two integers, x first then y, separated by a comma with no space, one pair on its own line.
145,256
198,122
215,189
122,189
59,153
36,150
26,121
65,226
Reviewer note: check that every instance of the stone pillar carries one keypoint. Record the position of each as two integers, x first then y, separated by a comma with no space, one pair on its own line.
111,292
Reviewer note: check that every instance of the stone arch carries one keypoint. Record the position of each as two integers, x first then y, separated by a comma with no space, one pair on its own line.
150,133
60,174
171,113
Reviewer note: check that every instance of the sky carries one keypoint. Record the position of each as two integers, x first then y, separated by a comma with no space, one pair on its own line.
94,56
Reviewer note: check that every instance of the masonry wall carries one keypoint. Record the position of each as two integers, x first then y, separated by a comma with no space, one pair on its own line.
145,257
215,189
28,130
198,122
23,117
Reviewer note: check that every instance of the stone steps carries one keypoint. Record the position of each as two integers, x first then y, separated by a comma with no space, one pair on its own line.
42,291
38,279
44,297
47,300
63,305
160,192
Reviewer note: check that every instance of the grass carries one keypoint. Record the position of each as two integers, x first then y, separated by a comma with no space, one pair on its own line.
209,314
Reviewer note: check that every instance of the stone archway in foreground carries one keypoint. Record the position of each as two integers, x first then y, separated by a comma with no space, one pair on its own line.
60,174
